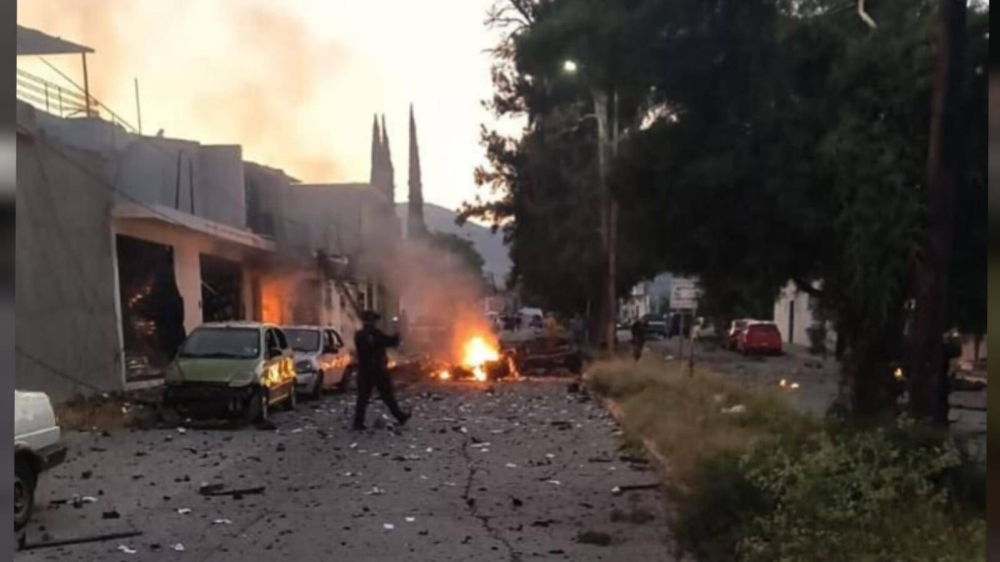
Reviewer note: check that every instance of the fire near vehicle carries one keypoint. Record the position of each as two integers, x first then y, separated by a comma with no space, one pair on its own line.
36,449
760,337
548,353
322,361
481,361
231,369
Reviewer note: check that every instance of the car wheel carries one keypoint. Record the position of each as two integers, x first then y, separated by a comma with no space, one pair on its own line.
317,391
292,400
345,381
24,492
258,409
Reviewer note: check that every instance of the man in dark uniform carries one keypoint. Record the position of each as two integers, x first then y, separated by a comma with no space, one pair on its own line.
638,337
370,344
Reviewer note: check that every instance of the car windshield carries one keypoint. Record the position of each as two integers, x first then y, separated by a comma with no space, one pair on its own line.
222,343
303,340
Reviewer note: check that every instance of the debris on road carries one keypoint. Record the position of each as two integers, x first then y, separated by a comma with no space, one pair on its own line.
82,540
596,538
388,526
184,511
213,490
737,409
177,547
111,515
633,459
634,487
126,550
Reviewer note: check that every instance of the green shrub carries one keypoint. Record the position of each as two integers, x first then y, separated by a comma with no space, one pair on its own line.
858,496
772,485
712,516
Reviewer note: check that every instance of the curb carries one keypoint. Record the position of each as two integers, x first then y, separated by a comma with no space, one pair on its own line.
648,446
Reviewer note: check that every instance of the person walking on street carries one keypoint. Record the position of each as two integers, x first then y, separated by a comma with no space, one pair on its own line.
638,337
371,344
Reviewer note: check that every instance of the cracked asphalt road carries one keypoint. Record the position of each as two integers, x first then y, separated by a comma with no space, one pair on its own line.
518,472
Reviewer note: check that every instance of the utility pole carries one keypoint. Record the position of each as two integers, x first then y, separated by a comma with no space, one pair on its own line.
138,108
607,147
928,393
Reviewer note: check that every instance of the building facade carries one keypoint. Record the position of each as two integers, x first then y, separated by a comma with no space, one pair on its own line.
127,242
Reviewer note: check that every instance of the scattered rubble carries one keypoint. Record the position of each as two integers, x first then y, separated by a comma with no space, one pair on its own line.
596,538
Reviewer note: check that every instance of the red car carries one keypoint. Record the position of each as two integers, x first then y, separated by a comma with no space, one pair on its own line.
760,337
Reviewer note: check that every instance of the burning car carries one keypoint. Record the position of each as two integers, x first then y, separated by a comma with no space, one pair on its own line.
480,361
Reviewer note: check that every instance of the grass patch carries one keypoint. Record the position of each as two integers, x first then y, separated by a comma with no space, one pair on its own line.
753,480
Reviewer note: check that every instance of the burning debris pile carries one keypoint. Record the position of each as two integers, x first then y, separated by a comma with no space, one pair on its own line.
445,329
481,361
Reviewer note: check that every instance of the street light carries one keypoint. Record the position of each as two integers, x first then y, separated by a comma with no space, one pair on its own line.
607,144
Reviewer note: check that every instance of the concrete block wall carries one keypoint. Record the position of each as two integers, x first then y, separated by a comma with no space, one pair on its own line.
66,321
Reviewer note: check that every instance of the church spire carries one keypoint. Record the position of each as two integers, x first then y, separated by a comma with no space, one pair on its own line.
389,187
376,153
415,226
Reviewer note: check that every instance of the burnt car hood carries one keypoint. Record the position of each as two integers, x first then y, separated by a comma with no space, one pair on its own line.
197,369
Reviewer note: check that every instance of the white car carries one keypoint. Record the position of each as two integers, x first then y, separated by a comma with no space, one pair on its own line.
322,360
37,448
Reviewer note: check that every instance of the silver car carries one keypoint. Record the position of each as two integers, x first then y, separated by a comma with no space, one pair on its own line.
322,361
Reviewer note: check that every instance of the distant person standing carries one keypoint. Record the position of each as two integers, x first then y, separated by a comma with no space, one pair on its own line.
371,344
638,337
576,325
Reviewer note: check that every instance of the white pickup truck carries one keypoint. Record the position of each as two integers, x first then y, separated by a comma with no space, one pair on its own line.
37,448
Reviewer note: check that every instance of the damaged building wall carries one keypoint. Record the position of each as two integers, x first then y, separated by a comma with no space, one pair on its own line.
188,248
66,324
351,220
203,180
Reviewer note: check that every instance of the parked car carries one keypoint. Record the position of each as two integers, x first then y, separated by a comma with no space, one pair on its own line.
680,324
656,328
321,359
706,330
760,337
37,448
231,369
731,341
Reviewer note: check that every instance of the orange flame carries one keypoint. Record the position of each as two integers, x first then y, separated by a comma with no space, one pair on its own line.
475,356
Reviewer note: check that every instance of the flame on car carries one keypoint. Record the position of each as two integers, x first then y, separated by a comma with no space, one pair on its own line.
477,354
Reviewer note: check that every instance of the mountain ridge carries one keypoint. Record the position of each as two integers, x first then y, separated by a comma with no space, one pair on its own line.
490,245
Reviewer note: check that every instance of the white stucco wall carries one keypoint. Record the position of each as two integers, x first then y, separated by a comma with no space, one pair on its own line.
793,299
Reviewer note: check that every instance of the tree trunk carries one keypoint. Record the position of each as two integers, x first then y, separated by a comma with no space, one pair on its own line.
926,380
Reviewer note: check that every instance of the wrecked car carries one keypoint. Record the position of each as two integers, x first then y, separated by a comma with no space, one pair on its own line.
546,354
231,369
321,359
37,448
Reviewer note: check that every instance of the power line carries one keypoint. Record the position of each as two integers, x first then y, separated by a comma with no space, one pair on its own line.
53,369
132,130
